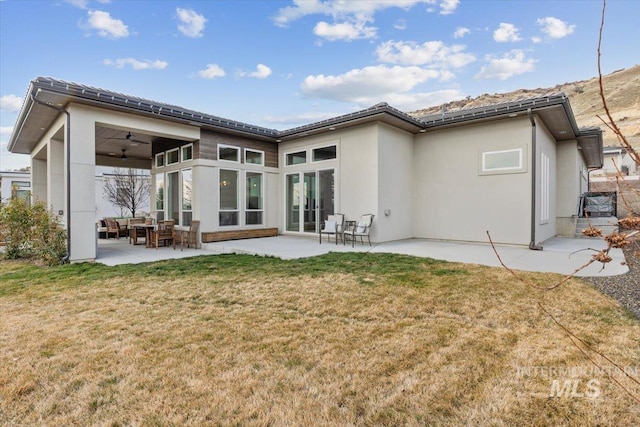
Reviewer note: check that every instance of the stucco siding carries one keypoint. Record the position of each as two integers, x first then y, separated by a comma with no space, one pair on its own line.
568,186
546,178
395,185
453,200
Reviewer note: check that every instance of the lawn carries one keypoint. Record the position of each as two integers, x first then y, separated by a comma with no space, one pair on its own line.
342,339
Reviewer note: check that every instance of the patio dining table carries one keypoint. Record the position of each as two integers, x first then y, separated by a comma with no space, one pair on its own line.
148,228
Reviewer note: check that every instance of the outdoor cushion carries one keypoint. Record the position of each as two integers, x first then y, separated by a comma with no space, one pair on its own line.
330,226
361,227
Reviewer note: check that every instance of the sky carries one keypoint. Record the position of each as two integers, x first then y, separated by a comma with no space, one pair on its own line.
281,64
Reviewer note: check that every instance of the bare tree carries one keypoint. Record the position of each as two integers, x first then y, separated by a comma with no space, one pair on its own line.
129,189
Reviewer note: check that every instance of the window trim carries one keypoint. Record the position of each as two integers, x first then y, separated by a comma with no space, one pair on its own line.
158,155
323,147
287,154
252,150
177,156
520,168
246,195
238,150
182,148
238,208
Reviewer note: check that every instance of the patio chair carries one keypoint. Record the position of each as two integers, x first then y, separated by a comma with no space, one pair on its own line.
114,227
163,233
355,229
333,226
189,236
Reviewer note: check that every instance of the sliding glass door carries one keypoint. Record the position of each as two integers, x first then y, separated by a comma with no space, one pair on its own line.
310,197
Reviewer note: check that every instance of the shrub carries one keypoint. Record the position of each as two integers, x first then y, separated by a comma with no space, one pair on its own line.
31,231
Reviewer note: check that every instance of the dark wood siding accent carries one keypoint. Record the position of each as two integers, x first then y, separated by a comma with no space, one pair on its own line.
220,236
162,144
208,147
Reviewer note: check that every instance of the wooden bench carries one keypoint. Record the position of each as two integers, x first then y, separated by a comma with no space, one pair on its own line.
220,236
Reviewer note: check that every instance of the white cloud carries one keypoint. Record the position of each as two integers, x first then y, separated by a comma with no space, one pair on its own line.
555,28
191,23
461,32
211,72
536,40
363,85
10,103
80,4
106,25
6,130
434,53
511,64
135,64
299,119
401,24
447,7
262,72
356,13
344,31
506,33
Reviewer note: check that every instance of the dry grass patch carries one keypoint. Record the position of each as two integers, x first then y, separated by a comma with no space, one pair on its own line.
338,340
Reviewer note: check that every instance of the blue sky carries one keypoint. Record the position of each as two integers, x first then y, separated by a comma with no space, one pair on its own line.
281,64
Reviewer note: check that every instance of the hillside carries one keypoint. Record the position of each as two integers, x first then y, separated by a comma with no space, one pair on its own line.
622,89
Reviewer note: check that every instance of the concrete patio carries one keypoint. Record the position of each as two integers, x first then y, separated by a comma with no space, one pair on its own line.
560,255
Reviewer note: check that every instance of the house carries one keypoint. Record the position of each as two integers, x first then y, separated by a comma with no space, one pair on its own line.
516,169
616,161
18,184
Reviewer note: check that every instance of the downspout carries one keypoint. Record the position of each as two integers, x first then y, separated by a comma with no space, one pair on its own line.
68,171
532,243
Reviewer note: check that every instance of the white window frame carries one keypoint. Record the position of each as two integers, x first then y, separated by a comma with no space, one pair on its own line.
251,150
323,147
182,209
239,200
182,148
238,150
246,194
167,157
158,156
520,168
545,188
306,158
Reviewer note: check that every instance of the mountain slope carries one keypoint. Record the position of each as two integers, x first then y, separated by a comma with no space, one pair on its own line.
621,88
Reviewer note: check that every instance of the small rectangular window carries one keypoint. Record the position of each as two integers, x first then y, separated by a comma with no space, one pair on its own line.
297,158
253,157
253,207
504,160
187,152
229,154
159,160
324,153
172,157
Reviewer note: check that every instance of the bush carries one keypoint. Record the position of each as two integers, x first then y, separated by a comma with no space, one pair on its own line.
31,231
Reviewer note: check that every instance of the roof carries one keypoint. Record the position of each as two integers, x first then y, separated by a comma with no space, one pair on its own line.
34,117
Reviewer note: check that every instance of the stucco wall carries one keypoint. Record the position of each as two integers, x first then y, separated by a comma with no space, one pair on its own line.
568,186
547,147
395,185
454,201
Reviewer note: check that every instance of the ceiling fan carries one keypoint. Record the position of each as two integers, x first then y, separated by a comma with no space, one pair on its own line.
131,138
124,155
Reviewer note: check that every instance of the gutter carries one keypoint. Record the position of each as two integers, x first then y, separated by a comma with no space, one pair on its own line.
532,243
68,168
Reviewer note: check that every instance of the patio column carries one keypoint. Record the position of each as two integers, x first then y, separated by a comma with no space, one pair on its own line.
81,189
39,180
55,178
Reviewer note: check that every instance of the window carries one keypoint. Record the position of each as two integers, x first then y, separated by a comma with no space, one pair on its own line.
159,160
253,213
187,152
253,157
229,205
503,161
297,158
160,196
172,156
187,197
21,190
544,188
324,153
229,154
